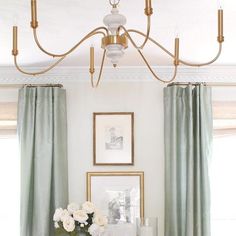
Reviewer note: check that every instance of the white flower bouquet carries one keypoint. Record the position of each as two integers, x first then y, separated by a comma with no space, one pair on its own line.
76,221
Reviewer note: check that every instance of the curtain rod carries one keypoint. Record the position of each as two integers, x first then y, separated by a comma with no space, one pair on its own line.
17,86
212,84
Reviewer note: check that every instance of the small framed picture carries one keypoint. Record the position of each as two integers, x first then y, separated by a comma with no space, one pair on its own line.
113,138
119,195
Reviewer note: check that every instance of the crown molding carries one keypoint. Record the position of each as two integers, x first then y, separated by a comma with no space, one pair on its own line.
9,75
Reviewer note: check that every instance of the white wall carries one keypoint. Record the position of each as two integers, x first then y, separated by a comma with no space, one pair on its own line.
145,100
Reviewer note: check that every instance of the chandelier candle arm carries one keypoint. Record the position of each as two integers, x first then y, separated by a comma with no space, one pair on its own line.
15,52
91,33
146,61
148,32
34,21
154,74
220,26
38,72
147,35
173,56
206,63
100,72
151,40
34,25
15,47
148,12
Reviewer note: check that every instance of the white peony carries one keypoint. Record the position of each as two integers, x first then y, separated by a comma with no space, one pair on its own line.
73,207
56,225
95,230
80,216
69,224
57,215
88,207
64,215
100,220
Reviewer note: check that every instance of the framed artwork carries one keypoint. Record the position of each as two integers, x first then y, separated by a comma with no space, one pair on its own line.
113,138
119,195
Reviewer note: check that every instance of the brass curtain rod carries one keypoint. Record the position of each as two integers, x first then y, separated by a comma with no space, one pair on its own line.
16,86
212,84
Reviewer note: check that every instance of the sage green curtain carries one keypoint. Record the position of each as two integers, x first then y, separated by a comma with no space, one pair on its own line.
42,129
188,144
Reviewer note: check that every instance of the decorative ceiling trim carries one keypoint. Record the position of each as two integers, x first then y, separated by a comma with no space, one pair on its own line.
9,75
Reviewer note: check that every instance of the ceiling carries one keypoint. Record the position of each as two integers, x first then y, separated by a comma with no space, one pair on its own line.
62,23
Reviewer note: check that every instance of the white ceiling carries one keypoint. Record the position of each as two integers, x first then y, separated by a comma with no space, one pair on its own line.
63,22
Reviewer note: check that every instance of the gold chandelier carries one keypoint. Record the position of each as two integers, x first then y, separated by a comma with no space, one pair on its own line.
115,39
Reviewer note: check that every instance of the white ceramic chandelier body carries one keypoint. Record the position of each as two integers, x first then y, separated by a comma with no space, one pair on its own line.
114,20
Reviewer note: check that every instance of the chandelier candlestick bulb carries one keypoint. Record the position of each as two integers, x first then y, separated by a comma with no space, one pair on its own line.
15,19
15,48
176,61
219,4
34,21
114,40
220,26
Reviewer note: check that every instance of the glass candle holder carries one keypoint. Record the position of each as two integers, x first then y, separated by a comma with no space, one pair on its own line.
147,226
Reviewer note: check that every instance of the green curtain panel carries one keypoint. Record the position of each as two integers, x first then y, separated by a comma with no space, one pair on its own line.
188,144
42,129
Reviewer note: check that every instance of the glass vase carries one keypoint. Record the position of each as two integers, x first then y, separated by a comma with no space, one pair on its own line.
147,226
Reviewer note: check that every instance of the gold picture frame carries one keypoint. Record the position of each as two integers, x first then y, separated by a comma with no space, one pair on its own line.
113,138
97,191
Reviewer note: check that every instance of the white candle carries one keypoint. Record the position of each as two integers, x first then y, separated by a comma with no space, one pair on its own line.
146,231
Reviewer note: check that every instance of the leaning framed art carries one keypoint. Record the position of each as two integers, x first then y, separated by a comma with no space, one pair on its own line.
119,195
113,138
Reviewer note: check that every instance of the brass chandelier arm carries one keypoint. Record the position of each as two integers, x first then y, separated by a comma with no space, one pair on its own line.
152,40
154,74
93,32
172,55
147,63
147,34
148,12
100,72
38,72
206,63
58,61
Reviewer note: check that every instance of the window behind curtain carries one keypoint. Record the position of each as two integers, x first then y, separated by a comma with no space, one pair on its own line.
9,172
8,116
223,170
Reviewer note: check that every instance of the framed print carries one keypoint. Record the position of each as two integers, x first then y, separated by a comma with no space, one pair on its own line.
119,195
113,138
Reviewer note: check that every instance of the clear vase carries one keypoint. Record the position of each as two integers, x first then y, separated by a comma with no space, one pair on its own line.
147,226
